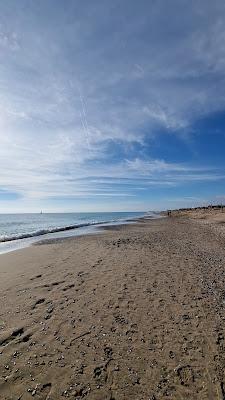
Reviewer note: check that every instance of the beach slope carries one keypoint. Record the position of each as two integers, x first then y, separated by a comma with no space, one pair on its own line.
136,312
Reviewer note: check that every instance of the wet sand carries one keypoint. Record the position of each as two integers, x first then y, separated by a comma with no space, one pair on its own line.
136,312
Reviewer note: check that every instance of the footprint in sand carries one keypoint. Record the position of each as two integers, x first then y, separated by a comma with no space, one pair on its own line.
39,301
36,277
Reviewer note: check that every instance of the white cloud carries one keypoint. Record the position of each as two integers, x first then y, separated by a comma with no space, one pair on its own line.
79,84
8,40
163,117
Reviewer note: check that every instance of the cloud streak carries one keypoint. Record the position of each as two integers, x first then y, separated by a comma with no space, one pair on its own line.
85,88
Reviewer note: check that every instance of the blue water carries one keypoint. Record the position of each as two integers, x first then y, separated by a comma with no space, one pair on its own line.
21,230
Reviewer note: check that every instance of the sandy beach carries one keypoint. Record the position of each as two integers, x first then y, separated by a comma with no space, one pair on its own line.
135,312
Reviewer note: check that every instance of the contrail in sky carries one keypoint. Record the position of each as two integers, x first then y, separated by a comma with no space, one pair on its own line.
84,121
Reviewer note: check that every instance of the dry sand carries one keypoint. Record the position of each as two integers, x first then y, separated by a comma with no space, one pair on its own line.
136,312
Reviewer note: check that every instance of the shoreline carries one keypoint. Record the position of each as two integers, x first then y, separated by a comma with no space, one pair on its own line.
29,239
134,312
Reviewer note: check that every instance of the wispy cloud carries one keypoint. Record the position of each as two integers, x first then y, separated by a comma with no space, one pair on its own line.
83,84
8,39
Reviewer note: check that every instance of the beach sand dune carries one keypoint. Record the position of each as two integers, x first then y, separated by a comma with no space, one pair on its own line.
136,312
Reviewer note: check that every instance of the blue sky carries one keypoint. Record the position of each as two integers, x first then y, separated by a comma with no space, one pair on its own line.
111,105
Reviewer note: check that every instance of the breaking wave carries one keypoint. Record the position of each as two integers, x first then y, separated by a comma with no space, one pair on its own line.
42,232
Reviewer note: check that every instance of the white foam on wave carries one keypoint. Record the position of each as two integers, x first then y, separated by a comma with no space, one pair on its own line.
19,241
41,232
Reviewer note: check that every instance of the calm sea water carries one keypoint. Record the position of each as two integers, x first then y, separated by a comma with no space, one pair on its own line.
20,230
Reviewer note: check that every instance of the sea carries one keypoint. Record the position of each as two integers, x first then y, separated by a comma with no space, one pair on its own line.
22,230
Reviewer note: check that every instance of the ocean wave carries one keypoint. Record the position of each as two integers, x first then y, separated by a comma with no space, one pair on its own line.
42,232
57,229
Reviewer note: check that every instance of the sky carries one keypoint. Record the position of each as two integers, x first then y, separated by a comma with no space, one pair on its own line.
111,105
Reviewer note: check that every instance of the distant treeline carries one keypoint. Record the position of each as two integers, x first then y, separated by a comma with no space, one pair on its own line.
209,207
